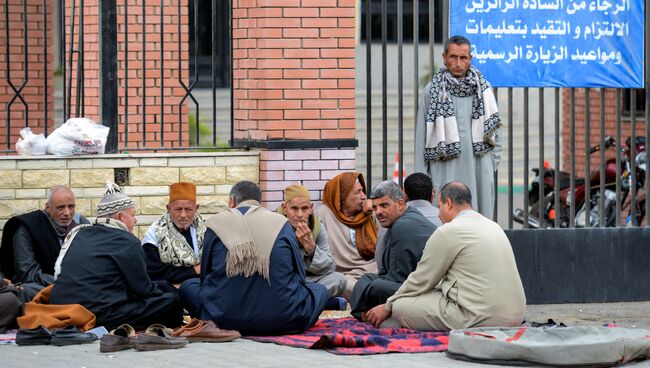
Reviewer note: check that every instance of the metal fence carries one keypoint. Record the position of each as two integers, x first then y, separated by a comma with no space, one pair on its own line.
209,25
560,199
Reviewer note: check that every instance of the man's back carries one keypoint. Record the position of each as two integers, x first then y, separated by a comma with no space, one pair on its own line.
285,303
482,276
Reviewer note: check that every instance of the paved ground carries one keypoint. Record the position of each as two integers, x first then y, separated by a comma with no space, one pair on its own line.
245,353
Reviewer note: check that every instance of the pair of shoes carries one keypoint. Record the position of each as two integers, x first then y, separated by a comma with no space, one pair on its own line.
34,336
205,331
158,337
71,335
121,338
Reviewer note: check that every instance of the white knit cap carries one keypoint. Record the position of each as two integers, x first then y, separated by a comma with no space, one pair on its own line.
114,200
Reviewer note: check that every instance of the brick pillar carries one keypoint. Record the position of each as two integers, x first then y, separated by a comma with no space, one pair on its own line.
36,72
594,127
294,89
149,91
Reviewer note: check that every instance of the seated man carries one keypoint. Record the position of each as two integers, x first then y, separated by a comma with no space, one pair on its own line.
10,305
352,232
173,243
102,268
252,273
420,195
312,239
467,276
404,241
32,241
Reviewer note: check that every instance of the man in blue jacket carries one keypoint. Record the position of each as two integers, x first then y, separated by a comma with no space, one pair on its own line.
252,272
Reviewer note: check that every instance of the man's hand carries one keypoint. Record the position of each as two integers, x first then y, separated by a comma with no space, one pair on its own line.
377,315
197,268
303,233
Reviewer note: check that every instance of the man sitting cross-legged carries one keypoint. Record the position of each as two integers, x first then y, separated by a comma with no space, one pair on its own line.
313,241
467,276
102,267
408,231
252,272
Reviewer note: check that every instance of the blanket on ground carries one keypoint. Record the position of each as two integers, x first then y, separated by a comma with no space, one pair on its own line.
347,336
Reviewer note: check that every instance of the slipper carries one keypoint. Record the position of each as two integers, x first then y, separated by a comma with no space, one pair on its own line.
158,337
121,338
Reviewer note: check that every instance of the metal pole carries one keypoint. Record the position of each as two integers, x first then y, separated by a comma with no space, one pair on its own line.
369,93
108,67
384,88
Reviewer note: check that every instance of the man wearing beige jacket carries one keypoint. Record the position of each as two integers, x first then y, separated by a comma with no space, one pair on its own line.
467,276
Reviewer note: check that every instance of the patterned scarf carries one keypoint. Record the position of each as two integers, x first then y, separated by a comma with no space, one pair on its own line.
173,246
442,140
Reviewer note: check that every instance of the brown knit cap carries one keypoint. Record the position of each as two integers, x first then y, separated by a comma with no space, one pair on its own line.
182,191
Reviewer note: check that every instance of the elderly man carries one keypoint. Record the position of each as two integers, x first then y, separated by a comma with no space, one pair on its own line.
420,195
102,267
252,273
404,241
312,239
467,276
32,241
457,134
352,231
173,243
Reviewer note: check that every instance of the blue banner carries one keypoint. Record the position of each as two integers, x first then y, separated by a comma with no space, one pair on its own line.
554,43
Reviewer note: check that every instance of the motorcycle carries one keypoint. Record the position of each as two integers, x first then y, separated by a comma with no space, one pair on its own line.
547,176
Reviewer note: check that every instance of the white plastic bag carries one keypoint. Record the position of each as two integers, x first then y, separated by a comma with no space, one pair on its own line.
78,136
31,144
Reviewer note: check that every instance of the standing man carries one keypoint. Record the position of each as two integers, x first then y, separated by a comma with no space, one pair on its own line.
404,241
102,268
173,243
457,131
420,195
32,241
352,231
312,239
467,276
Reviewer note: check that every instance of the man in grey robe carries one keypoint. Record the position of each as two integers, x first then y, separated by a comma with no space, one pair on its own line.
408,231
420,195
467,276
457,131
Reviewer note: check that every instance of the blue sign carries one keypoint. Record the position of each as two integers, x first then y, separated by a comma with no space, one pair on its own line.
554,43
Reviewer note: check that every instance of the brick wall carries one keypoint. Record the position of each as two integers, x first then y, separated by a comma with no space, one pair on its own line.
149,84
594,127
310,167
293,69
24,181
34,72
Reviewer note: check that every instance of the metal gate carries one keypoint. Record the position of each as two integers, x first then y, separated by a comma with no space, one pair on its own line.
539,123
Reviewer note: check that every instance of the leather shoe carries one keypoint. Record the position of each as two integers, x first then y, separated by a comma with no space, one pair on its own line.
192,324
158,337
207,331
70,335
121,338
33,336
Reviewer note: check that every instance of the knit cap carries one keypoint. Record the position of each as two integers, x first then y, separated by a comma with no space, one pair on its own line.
114,200
293,191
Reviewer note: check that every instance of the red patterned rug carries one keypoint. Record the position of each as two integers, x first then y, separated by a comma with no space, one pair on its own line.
347,336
